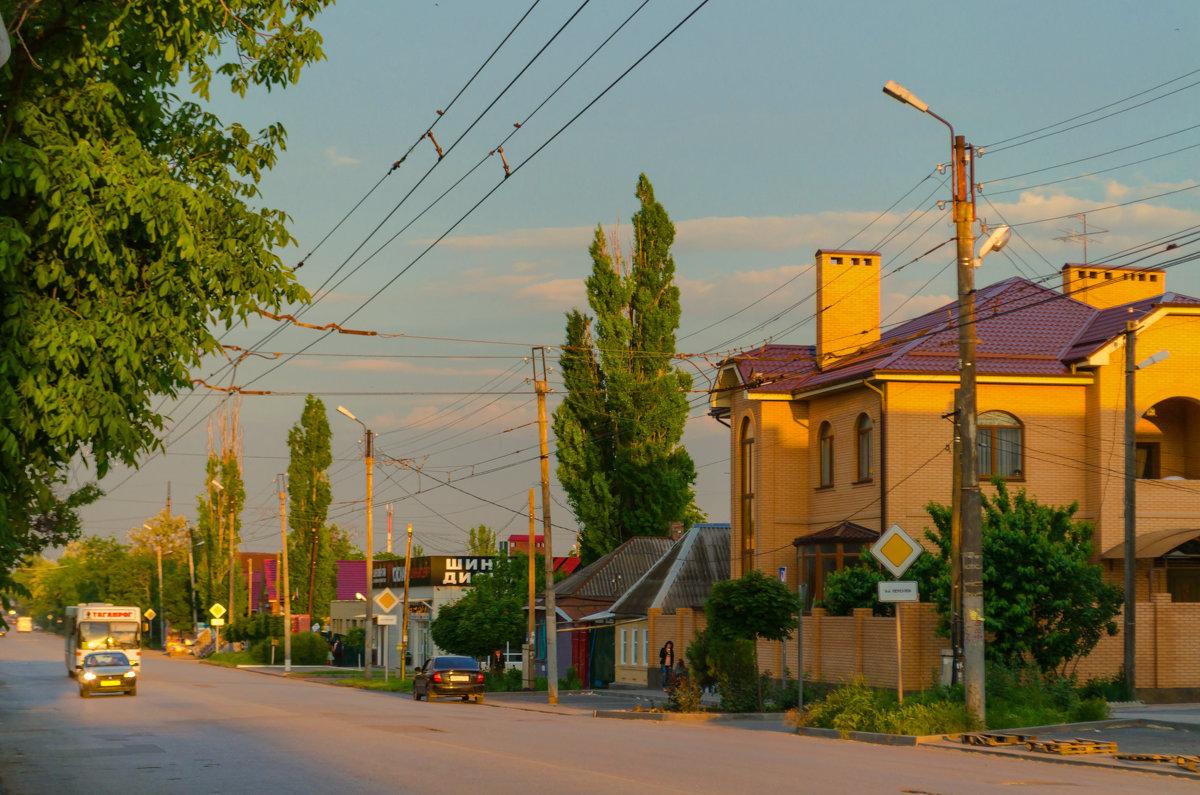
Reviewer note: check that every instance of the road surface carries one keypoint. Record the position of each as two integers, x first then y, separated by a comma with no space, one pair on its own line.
200,728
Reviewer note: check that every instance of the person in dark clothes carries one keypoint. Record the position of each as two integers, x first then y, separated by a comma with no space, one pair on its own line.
666,661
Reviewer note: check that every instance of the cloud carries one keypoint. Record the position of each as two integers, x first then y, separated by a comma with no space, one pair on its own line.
562,292
336,160
405,367
569,237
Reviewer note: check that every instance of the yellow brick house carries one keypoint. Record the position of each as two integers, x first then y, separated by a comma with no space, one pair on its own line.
833,442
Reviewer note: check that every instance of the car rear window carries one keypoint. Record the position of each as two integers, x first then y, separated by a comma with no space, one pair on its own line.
455,662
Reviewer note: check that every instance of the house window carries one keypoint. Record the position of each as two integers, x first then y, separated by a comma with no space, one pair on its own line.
635,647
746,487
818,561
624,645
1147,458
826,454
645,647
866,434
1000,445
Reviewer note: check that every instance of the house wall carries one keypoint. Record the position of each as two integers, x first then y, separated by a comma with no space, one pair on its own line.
635,653
1073,447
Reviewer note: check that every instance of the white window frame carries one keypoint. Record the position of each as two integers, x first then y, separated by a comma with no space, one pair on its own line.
646,646
624,645
635,646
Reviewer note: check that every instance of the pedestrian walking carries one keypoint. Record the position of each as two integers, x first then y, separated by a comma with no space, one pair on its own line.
666,661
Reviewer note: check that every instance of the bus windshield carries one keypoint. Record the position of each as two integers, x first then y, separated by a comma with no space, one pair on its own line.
106,635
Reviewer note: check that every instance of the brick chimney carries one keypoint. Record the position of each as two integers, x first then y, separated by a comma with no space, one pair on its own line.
847,303
1103,286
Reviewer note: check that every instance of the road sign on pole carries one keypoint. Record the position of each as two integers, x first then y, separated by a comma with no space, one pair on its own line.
217,610
896,550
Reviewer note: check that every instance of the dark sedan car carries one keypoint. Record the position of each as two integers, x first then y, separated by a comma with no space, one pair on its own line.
448,676
107,672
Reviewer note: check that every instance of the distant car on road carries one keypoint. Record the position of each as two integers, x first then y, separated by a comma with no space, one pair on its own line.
107,672
449,676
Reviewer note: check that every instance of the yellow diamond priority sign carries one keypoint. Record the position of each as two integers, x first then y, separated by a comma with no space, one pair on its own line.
150,614
217,610
896,550
386,600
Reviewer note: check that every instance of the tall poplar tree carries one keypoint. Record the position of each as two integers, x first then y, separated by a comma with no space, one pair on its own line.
618,430
310,552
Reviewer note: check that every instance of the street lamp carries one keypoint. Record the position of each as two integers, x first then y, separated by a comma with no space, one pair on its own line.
369,459
970,551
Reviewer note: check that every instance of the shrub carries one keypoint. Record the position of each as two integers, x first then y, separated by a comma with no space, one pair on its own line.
1091,709
853,707
1111,688
684,696
357,637
309,648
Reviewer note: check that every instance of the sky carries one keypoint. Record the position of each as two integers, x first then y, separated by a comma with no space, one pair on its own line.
764,130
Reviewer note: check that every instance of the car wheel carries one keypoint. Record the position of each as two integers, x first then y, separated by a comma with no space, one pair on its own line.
466,699
416,695
479,698
132,691
83,693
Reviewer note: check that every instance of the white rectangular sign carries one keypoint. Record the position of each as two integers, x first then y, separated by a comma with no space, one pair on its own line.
899,591
385,619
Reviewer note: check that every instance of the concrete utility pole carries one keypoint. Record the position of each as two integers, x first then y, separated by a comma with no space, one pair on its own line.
287,586
389,544
162,621
970,504
1130,546
540,386
369,459
404,620
531,630
192,580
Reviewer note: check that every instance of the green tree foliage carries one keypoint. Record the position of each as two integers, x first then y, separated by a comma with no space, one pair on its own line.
341,546
218,524
1042,598
855,586
492,613
481,541
310,552
751,607
172,535
618,430
128,228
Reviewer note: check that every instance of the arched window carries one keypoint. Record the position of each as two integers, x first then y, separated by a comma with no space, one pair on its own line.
865,448
1001,445
746,487
826,454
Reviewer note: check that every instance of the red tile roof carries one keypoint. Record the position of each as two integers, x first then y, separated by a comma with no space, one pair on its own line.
1022,329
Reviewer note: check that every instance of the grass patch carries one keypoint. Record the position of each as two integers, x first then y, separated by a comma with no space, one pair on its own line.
393,685
856,707
231,659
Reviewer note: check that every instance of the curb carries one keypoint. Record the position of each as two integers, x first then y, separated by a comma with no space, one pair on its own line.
688,717
876,738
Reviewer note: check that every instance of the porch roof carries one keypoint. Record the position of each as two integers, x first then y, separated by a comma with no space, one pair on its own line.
1154,545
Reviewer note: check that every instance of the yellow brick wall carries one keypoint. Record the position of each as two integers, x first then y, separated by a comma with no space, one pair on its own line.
1073,453
1103,287
848,287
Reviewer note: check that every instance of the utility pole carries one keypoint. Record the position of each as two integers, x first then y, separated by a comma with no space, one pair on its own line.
162,621
369,459
956,611
1130,546
970,504
531,630
287,586
370,618
389,545
404,620
192,579
540,386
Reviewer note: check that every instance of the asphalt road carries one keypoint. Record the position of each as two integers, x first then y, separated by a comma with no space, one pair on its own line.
199,728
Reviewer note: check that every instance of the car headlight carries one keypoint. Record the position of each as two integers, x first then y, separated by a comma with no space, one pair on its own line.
89,676
130,674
